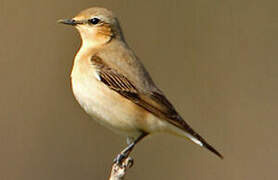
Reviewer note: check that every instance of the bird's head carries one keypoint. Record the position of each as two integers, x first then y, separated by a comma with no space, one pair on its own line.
97,26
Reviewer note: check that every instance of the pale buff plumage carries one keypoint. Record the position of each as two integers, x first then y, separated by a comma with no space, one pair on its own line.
113,87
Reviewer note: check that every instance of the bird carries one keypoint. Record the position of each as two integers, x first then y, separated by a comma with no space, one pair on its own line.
112,85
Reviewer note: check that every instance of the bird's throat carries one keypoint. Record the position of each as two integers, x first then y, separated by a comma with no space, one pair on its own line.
97,37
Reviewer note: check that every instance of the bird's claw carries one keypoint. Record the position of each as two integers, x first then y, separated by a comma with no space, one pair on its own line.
123,160
119,159
128,162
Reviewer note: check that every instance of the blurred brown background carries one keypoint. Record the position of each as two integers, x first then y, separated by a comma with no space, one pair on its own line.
216,60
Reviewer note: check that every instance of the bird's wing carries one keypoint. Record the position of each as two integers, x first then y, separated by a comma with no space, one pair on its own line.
154,102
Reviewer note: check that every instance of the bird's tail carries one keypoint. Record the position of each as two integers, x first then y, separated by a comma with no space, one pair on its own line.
196,138
186,131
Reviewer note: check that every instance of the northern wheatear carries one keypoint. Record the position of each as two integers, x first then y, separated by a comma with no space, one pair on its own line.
112,85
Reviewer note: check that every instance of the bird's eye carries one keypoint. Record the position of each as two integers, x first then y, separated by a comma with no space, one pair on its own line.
94,20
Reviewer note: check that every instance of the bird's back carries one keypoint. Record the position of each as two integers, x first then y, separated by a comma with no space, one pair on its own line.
117,55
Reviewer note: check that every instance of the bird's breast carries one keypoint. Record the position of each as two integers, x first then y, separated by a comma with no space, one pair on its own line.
103,104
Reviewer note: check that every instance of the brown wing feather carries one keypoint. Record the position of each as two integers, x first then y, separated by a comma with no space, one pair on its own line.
153,102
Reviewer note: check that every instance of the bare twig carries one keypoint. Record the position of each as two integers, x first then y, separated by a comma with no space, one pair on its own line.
118,171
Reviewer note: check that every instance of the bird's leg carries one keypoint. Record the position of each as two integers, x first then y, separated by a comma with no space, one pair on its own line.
125,153
129,140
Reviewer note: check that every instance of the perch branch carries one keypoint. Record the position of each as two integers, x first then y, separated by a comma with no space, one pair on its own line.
118,171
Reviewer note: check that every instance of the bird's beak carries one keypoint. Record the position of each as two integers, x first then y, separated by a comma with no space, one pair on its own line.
68,22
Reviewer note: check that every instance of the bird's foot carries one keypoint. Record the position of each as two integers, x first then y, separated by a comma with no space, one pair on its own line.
119,159
123,160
